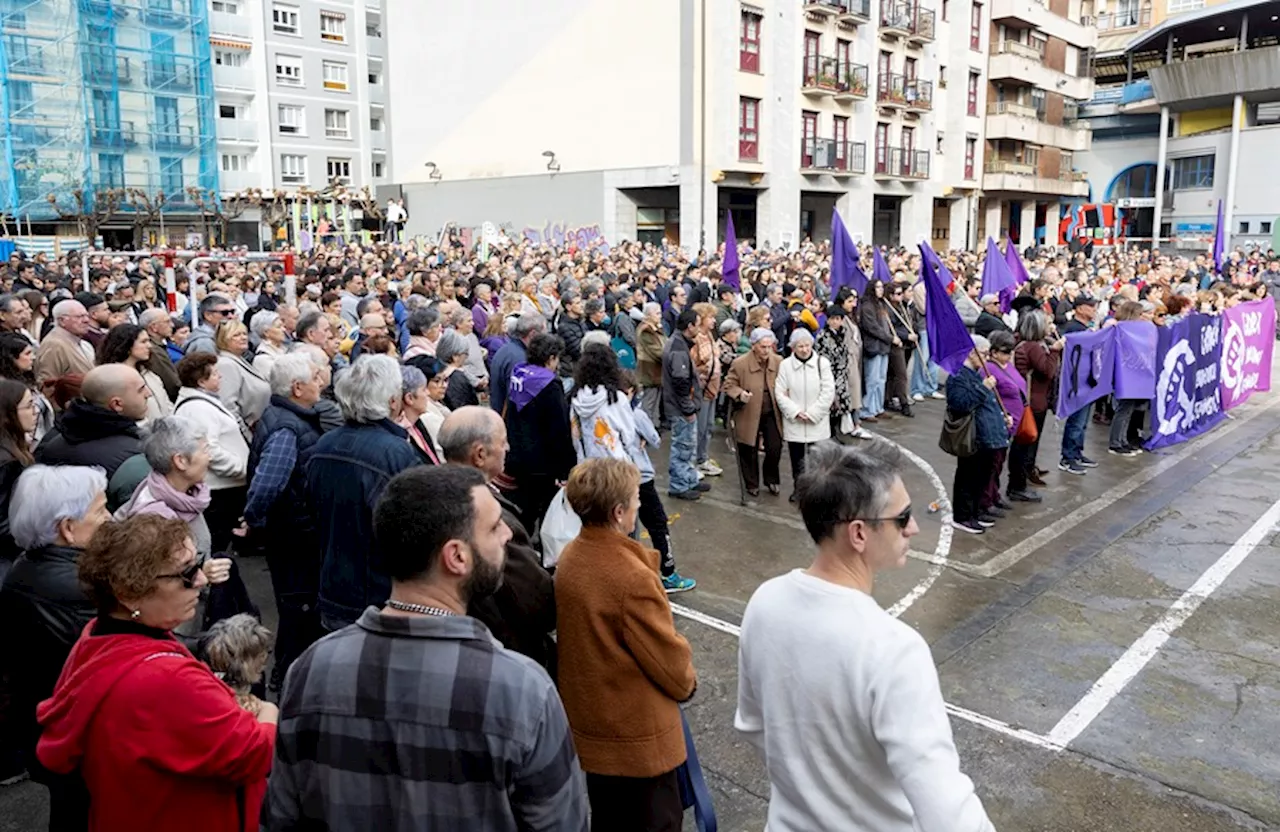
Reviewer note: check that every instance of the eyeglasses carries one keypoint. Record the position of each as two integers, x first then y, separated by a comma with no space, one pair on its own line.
188,575
224,312
902,519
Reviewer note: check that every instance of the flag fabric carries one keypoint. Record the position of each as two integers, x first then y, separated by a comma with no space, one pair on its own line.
1219,242
949,342
996,279
729,269
879,268
844,259
944,274
1016,267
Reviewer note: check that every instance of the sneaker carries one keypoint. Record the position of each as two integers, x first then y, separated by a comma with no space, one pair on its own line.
1002,504
1036,478
675,582
698,472
1125,451
996,512
703,487
710,469
861,433
918,397
986,520
967,526
1086,462
937,395
691,496
1071,467
1138,450
1025,497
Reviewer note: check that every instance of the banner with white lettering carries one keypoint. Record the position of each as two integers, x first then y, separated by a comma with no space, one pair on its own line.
1188,398
1248,337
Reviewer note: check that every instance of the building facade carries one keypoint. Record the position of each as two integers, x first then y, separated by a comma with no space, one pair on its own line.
660,125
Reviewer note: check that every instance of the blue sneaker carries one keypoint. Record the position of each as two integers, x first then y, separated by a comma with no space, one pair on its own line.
674,583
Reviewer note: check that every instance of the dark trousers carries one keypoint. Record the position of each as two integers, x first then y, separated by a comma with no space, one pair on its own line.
896,385
749,457
653,516
226,505
796,450
1022,458
992,495
635,804
973,473
1123,429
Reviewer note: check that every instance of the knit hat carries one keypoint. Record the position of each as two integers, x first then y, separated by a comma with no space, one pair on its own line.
760,333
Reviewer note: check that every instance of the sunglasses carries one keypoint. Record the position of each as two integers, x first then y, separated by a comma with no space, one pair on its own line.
902,519
224,312
188,575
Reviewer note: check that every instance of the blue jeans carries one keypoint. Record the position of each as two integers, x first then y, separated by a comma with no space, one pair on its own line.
924,378
875,370
706,420
1073,434
684,438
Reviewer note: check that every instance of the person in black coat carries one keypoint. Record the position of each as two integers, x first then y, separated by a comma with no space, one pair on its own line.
989,320
970,391
101,426
537,417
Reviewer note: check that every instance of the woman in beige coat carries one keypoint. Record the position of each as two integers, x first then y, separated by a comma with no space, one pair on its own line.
756,415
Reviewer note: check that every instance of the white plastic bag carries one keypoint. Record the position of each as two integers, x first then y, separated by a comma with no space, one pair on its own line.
560,525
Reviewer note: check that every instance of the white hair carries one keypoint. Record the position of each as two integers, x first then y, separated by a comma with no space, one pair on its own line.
45,495
169,436
63,308
652,308
596,336
365,391
263,321
151,316
296,366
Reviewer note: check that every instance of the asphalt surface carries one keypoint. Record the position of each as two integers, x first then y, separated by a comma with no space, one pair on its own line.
1024,623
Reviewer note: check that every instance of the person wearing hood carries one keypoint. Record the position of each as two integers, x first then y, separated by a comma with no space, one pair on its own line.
804,392
100,427
157,740
537,415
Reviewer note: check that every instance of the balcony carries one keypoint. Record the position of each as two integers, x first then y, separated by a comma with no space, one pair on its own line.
1022,65
835,157
171,14
1125,19
237,130
169,76
235,181
855,12
906,20
233,78
1210,78
230,25
823,8
901,163
1034,14
891,91
853,83
1009,176
173,138
27,62
919,95
113,136
830,76
105,69
1022,122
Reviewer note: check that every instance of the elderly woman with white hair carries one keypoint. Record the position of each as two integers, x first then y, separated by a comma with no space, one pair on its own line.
452,352
474,367
268,328
414,405
804,392
54,511
971,391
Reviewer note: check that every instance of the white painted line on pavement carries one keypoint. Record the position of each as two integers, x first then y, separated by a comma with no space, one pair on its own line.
943,549
1145,648
709,620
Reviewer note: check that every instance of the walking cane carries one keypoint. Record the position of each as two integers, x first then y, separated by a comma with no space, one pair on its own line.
732,419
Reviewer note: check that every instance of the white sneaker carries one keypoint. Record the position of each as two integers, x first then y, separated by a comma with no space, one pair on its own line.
862,433
936,395
699,473
710,469
918,397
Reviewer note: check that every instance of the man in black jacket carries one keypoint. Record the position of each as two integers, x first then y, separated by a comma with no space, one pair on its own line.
571,327
989,320
101,426
682,399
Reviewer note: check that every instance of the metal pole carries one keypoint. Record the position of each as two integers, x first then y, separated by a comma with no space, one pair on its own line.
702,131
1161,148
1233,167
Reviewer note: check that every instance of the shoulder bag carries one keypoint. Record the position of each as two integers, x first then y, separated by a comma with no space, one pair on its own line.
957,436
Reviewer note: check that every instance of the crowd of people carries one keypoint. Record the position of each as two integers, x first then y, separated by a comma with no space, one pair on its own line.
390,428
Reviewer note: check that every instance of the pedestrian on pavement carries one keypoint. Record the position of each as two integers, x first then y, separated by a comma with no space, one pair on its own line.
100,426
682,399
803,392
757,419
1038,360
1012,390
706,364
891,763
510,354
830,344
970,392
877,343
650,344
1076,425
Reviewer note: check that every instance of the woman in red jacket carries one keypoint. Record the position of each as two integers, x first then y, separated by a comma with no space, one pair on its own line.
157,739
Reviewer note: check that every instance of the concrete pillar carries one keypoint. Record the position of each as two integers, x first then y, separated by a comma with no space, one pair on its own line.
1028,224
1052,214
1162,148
778,211
959,223
1233,169
994,209
697,213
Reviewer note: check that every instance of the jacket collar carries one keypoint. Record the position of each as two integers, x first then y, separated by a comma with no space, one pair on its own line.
306,413
598,537
444,627
385,424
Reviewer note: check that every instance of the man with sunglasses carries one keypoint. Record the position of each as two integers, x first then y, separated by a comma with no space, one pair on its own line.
214,309
863,672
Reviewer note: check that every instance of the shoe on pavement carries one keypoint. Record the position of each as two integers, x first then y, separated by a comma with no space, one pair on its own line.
692,496
918,397
997,513
937,395
861,433
1125,451
710,469
792,498
1000,503
1086,462
1071,467
1025,497
985,520
967,526
1036,479
703,487
869,419
675,582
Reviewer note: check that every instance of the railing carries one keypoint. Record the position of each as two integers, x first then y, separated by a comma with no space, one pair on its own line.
118,135
1125,19
829,154
858,8
105,69
1009,166
833,75
236,25
166,12
891,89
1024,50
823,6
917,22
169,74
902,162
232,77
26,60
1012,108
180,137
378,139
919,94
237,130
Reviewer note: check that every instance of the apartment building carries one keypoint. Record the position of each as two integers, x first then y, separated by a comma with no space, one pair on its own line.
1038,75
661,124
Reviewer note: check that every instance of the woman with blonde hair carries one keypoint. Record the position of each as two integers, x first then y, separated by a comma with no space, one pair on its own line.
244,390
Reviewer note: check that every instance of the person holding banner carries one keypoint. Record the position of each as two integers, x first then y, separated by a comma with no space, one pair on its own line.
1118,442
1073,460
969,392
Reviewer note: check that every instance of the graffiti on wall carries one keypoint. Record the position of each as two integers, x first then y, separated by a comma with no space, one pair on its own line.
563,235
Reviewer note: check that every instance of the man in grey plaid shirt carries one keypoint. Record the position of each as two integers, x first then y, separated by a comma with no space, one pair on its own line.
415,717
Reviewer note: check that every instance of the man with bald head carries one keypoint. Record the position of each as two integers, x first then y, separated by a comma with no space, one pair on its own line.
64,351
522,613
101,426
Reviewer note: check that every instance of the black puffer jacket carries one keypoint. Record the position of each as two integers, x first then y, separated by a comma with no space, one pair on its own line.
89,434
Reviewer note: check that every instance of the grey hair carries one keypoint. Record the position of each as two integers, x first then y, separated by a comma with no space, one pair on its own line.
981,344
62,308
449,345
236,650
840,484
458,433
596,336
548,282
411,378
772,287
421,320
7,299
415,302
45,495
1032,325
592,307
170,435
365,391
150,316
263,321
568,294
287,369
652,308
459,315
308,307
529,324
362,305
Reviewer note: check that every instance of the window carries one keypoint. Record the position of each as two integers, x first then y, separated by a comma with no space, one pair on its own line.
375,73
1066,162
971,101
808,137
379,169
942,76
1244,226
1038,102
1264,228
970,152
336,124
339,169
288,70
940,142
166,118
749,42
284,19
234,162
375,123
111,170
171,176
882,148
290,117
225,6
975,27
333,27
1179,6
335,76
373,25
1031,156
226,111
945,9
748,128
1193,172
230,57
293,168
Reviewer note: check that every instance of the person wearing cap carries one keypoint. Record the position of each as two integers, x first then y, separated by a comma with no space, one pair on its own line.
804,392
989,319
1083,311
451,352
99,317
757,420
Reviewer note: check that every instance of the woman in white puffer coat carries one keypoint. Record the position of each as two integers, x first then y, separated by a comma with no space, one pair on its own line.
804,392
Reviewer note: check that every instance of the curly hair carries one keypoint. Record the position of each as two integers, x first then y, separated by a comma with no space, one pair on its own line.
236,650
195,368
597,367
123,559
118,343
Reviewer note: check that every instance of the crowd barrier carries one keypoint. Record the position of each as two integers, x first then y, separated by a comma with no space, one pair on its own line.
1192,371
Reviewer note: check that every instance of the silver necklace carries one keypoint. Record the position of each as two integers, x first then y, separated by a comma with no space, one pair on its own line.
421,609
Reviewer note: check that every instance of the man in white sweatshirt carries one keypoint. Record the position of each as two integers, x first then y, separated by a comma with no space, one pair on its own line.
841,698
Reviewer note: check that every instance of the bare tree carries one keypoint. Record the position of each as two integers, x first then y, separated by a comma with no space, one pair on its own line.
274,208
146,211
90,214
368,204
224,209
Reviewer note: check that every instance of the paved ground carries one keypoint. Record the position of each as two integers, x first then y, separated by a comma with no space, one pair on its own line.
1090,690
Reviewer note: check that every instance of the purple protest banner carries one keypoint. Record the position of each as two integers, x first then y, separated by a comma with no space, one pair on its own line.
1188,399
1136,343
1248,336
1088,370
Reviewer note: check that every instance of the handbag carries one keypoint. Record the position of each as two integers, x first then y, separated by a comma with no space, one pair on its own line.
1027,432
958,437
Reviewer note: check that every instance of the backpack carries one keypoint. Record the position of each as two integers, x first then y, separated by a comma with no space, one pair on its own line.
626,353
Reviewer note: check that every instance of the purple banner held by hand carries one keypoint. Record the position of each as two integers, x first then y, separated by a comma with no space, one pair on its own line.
1248,337
1188,396
1088,370
1136,343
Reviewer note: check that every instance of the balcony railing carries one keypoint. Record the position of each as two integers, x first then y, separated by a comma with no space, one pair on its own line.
1012,108
829,75
233,78
835,156
854,10
1034,52
903,163
105,69
1010,166
169,75
117,135
909,20
919,94
825,8
853,81
843,9
25,61
891,90
236,25
179,137
237,130
171,13
1124,19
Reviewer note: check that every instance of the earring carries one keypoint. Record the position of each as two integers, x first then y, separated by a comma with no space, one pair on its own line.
134,615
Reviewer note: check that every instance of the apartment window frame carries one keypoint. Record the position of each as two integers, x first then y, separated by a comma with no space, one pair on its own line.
1264,227
341,121
233,162
1031,155
971,92
231,7
975,27
1193,173
339,164
1066,162
373,26
748,128
289,70
291,120
285,19
291,173
377,123
375,72
333,27
229,111
378,169
749,41
230,57
1180,6
111,170
808,137
340,80
970,156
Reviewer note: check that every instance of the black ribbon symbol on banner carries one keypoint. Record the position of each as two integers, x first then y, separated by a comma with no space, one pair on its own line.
1093,368
1073,362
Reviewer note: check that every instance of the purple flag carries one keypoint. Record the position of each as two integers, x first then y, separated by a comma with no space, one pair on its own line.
949,342
1188,399
527,381
1219,242
1088,370
844,259
1016,267
879,268
1136,343
729,269
996,279
1247,342
944,274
